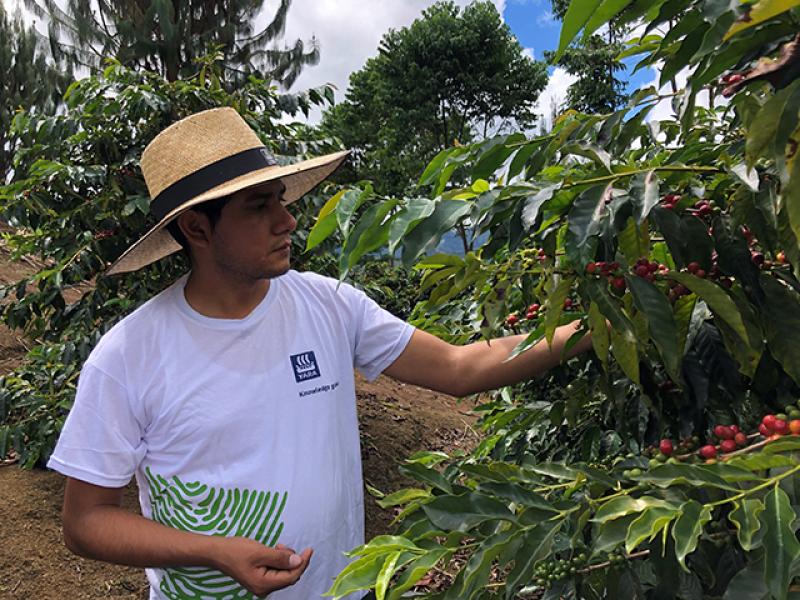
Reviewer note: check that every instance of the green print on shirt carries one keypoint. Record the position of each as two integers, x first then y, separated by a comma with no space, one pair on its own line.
214,511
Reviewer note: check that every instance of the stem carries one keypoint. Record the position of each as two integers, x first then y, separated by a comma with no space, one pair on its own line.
766,484
746,449
589,569
626,492
541,138
550,488
603,565
678,168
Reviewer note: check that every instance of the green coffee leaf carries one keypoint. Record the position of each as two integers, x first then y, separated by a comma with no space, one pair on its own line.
625,350
648,525
611,534
555,306
652,303
325,224
634,241
465,511
668,475
745,517
780,543
759,12
748,584
783,334
358,575
716,298
385,575
429,232
409,217
347,206
536,545
416,569
584,223
687,529
600,335
577,15
625,505
474,575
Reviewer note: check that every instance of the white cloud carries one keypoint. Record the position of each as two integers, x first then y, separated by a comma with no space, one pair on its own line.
348,32
547,19
554,95
663,110
529,52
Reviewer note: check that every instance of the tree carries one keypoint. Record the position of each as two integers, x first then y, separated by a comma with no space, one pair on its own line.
594,62
167,36
449,76
28,81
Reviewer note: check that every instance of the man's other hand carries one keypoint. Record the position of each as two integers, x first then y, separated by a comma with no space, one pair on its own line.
259,568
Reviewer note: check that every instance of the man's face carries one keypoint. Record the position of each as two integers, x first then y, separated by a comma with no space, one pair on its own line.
251,238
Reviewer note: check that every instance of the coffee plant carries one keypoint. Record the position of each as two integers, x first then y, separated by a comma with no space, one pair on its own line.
77,200
664,463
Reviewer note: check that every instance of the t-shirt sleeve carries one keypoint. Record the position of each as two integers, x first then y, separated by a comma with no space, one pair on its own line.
380,337
101,442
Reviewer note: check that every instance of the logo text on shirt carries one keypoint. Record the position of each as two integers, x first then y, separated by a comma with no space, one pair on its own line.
305,366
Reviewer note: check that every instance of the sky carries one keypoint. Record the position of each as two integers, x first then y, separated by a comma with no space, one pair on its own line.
349,31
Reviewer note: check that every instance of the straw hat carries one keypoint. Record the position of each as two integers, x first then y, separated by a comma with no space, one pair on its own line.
203,157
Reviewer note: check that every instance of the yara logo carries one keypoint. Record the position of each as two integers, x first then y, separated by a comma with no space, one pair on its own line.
305,366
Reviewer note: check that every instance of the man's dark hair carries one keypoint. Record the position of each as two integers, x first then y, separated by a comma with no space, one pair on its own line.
211,209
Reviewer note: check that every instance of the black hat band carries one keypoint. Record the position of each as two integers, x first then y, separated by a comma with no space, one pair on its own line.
210,177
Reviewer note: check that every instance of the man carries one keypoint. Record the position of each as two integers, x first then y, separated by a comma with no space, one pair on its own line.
230,395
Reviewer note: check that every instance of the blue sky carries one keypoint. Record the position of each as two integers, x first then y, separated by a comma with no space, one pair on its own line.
533,24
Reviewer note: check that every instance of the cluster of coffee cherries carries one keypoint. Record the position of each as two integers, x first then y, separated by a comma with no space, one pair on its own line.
670,201
658,455
534,311
609,270
729,81
758,258
104,233
678,289
550,571
531,314
732,78
704,208
728,439
779,424
647,270
527,258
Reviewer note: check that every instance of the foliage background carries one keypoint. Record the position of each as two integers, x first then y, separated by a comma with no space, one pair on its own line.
560,500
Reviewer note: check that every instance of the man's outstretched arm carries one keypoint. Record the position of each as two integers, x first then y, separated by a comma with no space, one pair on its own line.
432,363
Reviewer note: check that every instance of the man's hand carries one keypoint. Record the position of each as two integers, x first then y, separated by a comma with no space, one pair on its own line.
259,568
95,526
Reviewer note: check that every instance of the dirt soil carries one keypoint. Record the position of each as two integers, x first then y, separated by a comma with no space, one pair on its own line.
396,420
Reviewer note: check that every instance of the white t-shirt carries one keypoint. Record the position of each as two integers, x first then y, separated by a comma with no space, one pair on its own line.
237,427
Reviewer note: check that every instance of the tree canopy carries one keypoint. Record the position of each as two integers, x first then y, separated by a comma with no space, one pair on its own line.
452,74
167,36
28,81
595,64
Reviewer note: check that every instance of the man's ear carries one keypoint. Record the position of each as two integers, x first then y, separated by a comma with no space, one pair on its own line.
196,228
